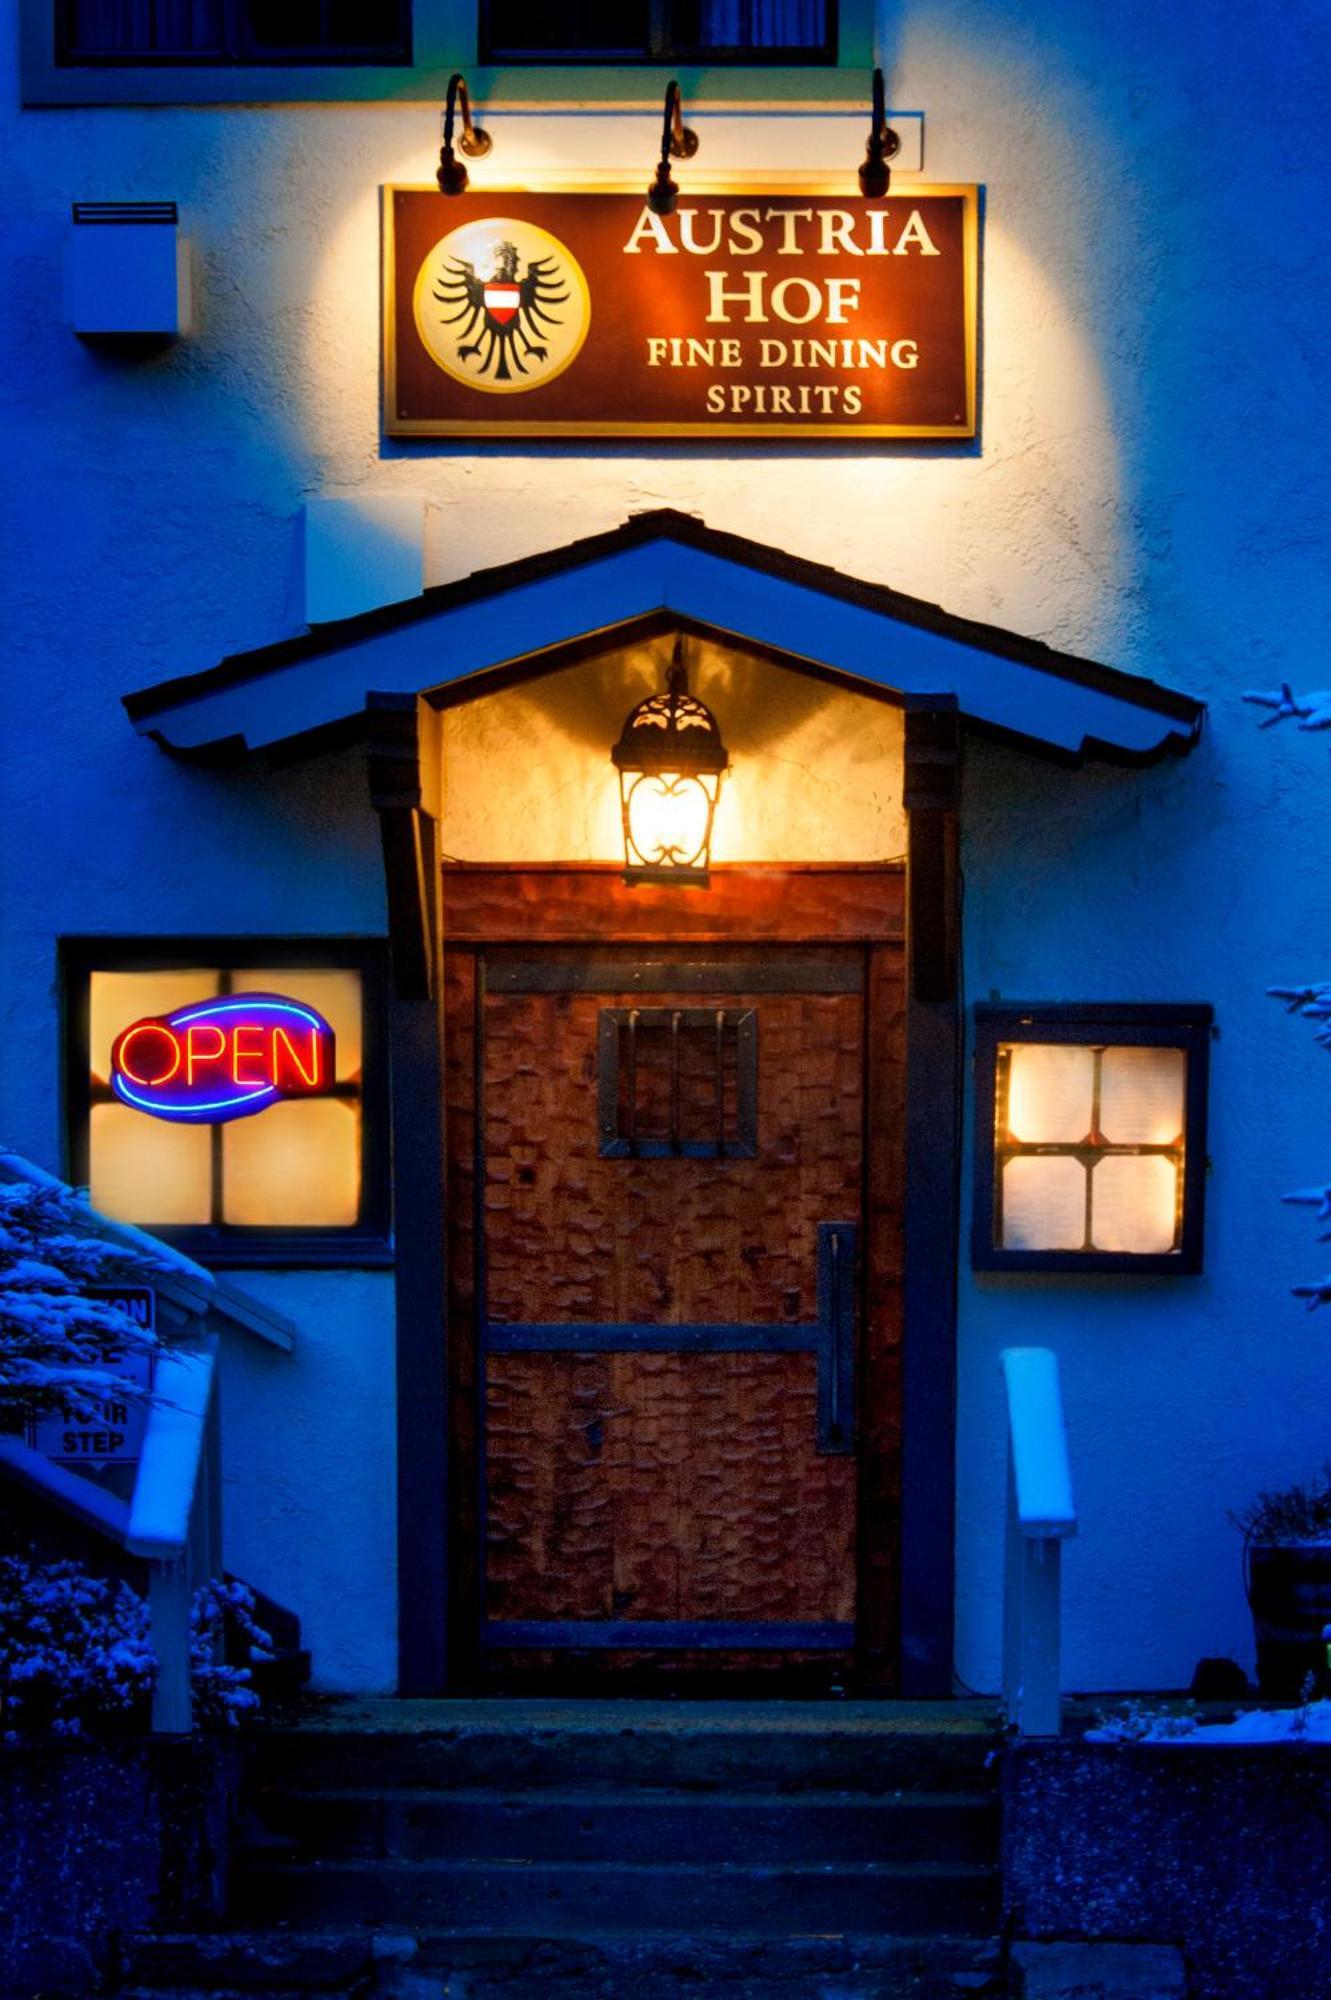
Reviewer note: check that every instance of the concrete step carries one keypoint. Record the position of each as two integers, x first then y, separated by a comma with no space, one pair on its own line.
641,1825
323,1961
452,1965
853,1746
903,1898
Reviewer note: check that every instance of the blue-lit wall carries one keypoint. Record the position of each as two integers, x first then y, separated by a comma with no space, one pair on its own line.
1150,491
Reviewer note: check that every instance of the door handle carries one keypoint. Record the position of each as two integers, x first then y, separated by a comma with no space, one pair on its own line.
838,1244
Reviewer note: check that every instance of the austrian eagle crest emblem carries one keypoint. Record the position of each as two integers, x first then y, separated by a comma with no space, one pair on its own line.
502,305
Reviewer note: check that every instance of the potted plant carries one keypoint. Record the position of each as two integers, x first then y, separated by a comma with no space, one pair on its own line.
1287,1577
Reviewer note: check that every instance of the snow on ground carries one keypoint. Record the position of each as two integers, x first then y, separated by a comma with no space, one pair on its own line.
1309,1723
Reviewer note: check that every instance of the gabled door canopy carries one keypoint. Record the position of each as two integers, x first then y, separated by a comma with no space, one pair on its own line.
658,570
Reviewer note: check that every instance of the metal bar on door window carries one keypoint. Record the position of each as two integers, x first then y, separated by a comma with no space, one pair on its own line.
720,1082
675,1134
633,1080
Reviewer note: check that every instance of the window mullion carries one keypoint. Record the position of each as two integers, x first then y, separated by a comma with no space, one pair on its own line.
660,35
225,984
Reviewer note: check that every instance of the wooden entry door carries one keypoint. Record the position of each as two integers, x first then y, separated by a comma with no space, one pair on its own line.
664,1312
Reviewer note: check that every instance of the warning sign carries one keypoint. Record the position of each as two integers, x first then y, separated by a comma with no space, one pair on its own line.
113,1431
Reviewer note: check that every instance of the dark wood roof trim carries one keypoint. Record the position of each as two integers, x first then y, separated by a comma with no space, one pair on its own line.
666,524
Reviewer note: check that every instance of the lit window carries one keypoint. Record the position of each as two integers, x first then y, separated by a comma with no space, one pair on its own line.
301,1178
1090,1137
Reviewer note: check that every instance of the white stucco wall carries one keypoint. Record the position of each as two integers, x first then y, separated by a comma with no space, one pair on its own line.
1150,489
307,1472
815,770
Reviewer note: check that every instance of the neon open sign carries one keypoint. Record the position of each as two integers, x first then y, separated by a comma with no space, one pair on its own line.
222,1059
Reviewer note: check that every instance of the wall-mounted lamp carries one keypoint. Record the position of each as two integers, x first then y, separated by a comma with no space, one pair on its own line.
671,761
678,142
884,145
452,175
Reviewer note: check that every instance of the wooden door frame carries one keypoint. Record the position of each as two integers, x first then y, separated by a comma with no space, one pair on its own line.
913,1651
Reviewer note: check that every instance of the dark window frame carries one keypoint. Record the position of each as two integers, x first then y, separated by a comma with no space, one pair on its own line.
661,47
1187,1026
238,48
443,39
364,1244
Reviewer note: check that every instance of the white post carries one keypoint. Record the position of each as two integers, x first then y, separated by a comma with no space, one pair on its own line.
168,1518
168,1621
1013,1553
1032,1636
1040,1516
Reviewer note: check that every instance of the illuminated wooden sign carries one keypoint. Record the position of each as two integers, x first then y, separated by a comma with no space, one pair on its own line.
787,314
221,1059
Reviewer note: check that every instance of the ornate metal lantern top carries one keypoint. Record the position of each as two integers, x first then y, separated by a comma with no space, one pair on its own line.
673,731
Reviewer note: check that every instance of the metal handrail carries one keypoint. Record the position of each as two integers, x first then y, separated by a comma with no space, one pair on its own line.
1041,1516
172,1520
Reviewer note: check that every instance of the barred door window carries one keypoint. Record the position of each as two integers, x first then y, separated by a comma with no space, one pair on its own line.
678,1082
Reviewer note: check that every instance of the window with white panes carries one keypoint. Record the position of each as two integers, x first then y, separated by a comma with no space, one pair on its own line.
1090,1137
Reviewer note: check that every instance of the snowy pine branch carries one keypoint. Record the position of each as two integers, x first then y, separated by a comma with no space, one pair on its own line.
60,1349
1313,1197
1314,1004
1316,1295
1313,711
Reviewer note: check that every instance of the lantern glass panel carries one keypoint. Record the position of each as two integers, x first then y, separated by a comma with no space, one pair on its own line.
669,817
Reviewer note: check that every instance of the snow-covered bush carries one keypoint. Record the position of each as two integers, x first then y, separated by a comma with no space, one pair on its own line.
75,1653
58,1347
1144,1722
74,1648
223,1695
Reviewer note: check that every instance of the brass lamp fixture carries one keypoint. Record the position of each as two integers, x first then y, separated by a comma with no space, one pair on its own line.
884,145
671,761
475,143
679,142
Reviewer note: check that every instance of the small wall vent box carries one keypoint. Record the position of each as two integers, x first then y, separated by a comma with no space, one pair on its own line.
127,270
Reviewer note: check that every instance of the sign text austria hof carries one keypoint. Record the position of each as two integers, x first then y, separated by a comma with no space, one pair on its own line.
749,315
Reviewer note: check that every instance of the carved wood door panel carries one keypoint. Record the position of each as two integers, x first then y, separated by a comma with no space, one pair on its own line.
657,1302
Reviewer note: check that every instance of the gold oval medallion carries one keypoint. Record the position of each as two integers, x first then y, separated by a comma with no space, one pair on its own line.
501,305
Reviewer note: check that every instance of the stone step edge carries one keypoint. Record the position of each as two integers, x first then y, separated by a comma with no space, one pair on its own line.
636,1799
264,1863
324,1960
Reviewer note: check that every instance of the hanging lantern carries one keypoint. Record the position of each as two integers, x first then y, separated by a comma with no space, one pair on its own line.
670,760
